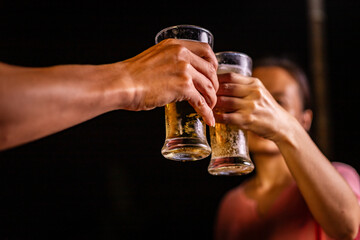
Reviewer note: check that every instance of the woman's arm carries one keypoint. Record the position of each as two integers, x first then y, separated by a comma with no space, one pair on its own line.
330,199
36,102
328,196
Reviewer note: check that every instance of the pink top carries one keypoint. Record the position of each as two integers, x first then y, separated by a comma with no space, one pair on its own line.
288,218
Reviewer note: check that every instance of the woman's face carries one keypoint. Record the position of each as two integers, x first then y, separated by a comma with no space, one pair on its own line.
285,90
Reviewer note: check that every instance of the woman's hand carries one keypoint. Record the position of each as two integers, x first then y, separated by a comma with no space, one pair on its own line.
245,102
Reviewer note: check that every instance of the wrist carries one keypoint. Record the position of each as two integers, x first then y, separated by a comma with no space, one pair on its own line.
117,90
289,132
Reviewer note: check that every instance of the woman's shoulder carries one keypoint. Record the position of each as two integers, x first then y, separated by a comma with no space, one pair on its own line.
346,170
350,175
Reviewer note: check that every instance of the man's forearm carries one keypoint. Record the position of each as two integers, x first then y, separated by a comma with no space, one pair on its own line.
36,102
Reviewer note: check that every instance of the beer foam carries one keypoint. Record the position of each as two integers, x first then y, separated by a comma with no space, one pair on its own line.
227,68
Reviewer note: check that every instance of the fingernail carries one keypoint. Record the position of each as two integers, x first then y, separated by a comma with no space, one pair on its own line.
213,122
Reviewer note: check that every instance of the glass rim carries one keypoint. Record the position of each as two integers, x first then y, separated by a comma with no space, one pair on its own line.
246,60
185,26
234,53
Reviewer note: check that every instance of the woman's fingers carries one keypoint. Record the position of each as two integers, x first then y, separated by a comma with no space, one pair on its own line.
235,78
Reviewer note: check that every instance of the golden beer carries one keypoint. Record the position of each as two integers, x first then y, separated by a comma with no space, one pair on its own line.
185,129
230,151
185,133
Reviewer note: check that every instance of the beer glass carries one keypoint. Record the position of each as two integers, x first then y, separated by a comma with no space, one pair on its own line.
185,129
230,151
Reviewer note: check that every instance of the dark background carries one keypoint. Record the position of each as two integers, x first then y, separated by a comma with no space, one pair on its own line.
106,178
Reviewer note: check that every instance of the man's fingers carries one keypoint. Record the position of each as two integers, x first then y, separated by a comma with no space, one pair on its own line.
206,68
204,87
204,51
203,59
199,104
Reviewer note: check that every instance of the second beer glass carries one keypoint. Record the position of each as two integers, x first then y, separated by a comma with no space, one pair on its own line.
230,152
185,129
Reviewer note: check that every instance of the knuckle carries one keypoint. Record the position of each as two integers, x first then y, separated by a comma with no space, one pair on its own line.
184,76
212,69
205,46
209,87
168,41
226,87
256,92
201,102
173,47
252,106
248,119
174,50
213,100
232,75
186,81
257,89
180,50
208,52
257,82
183,67
213,76
208,49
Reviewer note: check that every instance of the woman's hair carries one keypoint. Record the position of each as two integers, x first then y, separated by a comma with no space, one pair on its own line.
295,71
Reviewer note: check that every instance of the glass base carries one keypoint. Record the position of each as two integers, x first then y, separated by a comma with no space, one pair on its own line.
230,166
185,149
